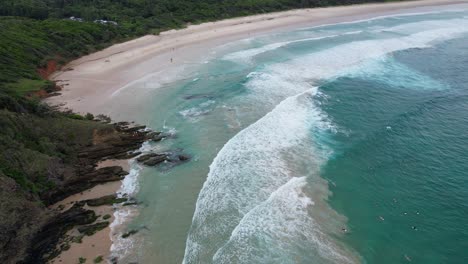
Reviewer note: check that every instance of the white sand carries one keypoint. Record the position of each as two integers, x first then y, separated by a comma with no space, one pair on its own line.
90,81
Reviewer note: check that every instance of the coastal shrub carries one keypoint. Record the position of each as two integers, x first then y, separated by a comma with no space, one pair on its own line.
89,116
106,216
98,259
36,32
76,116
34,145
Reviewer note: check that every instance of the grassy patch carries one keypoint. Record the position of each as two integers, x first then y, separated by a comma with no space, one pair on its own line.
26,86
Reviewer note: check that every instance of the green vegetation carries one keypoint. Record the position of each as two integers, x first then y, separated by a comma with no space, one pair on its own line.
36,37
129,233
77,239
34,32
81,260
98,259
26,86
28,44
106,216
33,142
39,146
90,230
142,15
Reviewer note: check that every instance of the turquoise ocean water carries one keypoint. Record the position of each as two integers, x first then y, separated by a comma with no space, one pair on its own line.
343,143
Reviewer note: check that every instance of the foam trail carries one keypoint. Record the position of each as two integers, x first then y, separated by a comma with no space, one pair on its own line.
247,175
281,80
391,72
123,248
451,10
248,54
282,223
249,169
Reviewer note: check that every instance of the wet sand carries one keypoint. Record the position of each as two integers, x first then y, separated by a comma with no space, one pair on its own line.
99,243
91,81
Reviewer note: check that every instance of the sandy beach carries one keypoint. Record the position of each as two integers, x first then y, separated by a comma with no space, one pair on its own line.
97,245
90,82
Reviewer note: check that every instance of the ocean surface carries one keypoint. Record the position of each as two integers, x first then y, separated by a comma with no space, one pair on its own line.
343,143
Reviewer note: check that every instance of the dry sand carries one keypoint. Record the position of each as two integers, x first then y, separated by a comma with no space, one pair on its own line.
90,81
98,244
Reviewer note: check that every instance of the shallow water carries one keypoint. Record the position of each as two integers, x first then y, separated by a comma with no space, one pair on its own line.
344,143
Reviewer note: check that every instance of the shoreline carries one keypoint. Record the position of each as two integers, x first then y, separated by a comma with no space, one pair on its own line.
91,81
98,244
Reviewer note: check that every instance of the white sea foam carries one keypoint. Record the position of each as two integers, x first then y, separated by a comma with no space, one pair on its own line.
122,248
394,16
285,79
246,55
415,27
389,71
193,113
249,169
249,196
282,223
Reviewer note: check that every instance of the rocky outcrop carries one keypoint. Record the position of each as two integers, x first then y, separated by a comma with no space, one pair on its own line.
31,233
117,141
171,158
45,241
83,182
21,216
105,200
152,159
90,230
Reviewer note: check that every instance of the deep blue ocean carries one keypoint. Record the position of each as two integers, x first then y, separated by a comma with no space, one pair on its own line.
343,143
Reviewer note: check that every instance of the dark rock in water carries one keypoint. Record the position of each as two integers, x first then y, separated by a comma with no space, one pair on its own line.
155,160
198,96
170,158
114,260
183,157
150,135
148,156
131,203
105,200
45,241
122,124
159,137
131,129
129,233
90,230
127,155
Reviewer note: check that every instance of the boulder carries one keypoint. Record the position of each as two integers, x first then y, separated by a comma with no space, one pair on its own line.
105,200
45,241
155,160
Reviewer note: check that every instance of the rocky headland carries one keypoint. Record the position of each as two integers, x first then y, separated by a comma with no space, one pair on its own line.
34,232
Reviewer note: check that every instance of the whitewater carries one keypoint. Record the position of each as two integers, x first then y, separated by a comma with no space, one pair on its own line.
272,169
